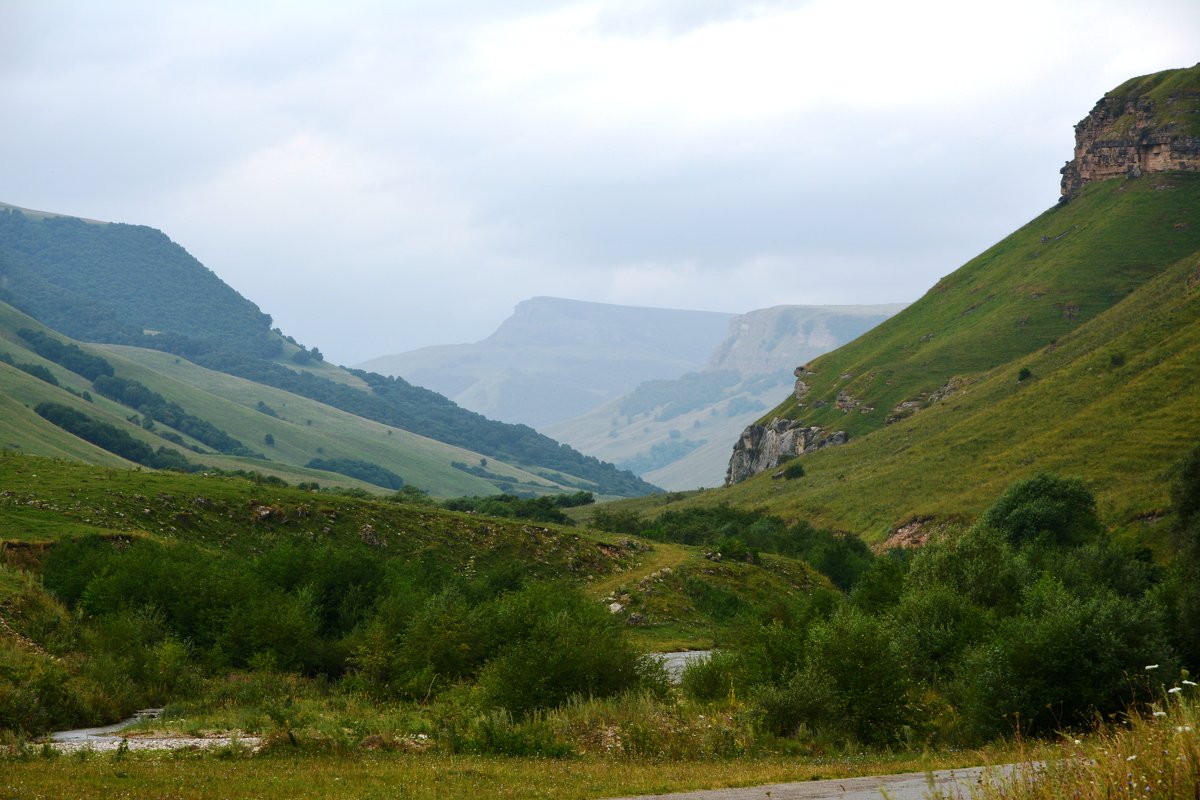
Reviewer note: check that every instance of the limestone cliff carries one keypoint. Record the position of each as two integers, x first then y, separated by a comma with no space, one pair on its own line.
1148,124
764,447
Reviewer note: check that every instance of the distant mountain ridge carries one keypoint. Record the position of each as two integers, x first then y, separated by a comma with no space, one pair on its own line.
771,340
677,433
555,359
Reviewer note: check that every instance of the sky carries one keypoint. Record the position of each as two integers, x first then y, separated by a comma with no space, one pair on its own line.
382,176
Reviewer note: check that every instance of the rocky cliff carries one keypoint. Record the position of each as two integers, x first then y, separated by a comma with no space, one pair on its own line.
1148,124
764,447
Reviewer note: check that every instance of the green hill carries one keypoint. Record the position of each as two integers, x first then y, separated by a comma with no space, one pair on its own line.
132,286
1072,346
120,283
300,429
106,570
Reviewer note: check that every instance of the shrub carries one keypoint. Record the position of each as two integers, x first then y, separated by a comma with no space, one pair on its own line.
558,644
1060,660
617,521
979,565
712,679
793,470
932,628
362,470
1045,507
850,658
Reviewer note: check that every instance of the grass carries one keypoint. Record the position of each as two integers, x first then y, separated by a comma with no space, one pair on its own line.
44,501
420,776
1113,396
1154,755
1163,89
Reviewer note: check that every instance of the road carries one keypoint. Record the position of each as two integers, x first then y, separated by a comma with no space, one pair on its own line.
905,786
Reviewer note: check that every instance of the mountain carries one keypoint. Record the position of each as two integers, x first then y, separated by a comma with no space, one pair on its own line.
132,287
1073,346
556,359
122,283
676,433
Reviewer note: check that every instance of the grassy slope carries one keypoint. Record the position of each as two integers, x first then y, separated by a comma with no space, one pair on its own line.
1159,88
217,396
1129,261
1016,297
45,500
230,403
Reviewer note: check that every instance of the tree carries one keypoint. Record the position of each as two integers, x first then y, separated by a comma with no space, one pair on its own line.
1046,507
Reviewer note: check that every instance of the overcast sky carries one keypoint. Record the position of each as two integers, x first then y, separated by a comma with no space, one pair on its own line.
383,176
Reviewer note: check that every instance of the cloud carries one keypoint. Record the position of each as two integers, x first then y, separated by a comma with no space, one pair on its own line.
380,176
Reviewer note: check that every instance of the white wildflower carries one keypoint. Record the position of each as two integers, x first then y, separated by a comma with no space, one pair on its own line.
1160,713
1186,682
1151,666
1132,757
1079,741
1174,690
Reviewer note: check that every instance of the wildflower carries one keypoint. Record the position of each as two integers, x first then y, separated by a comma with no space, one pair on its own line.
1079,741
1132,757
1188,683
1151,666
1160,713
1174,690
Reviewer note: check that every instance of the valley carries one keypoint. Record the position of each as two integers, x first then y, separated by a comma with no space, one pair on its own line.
961,531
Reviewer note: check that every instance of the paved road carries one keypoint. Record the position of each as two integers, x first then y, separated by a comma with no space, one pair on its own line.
906,786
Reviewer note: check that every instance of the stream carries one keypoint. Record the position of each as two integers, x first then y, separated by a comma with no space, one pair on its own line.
676,662
107,737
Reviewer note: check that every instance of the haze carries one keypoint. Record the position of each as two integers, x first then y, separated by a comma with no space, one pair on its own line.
383,176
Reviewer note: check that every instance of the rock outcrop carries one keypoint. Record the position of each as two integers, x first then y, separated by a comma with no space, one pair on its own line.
1146,125
765,447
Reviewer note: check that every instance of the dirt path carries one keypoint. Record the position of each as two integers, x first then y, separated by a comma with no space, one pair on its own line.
663,555
905,786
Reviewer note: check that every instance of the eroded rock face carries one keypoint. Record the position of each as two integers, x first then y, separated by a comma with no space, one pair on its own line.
1129,134
765,447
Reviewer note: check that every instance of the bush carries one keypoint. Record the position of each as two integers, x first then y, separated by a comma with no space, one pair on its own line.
850,658
617,521
978,565
1060,660
1047,508
558,644
712,679
793,470
932,628
362,470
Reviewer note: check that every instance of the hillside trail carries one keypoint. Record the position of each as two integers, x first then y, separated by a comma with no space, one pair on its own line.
663,555
953,783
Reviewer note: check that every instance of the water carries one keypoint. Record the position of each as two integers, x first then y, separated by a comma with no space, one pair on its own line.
677,661
104,732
